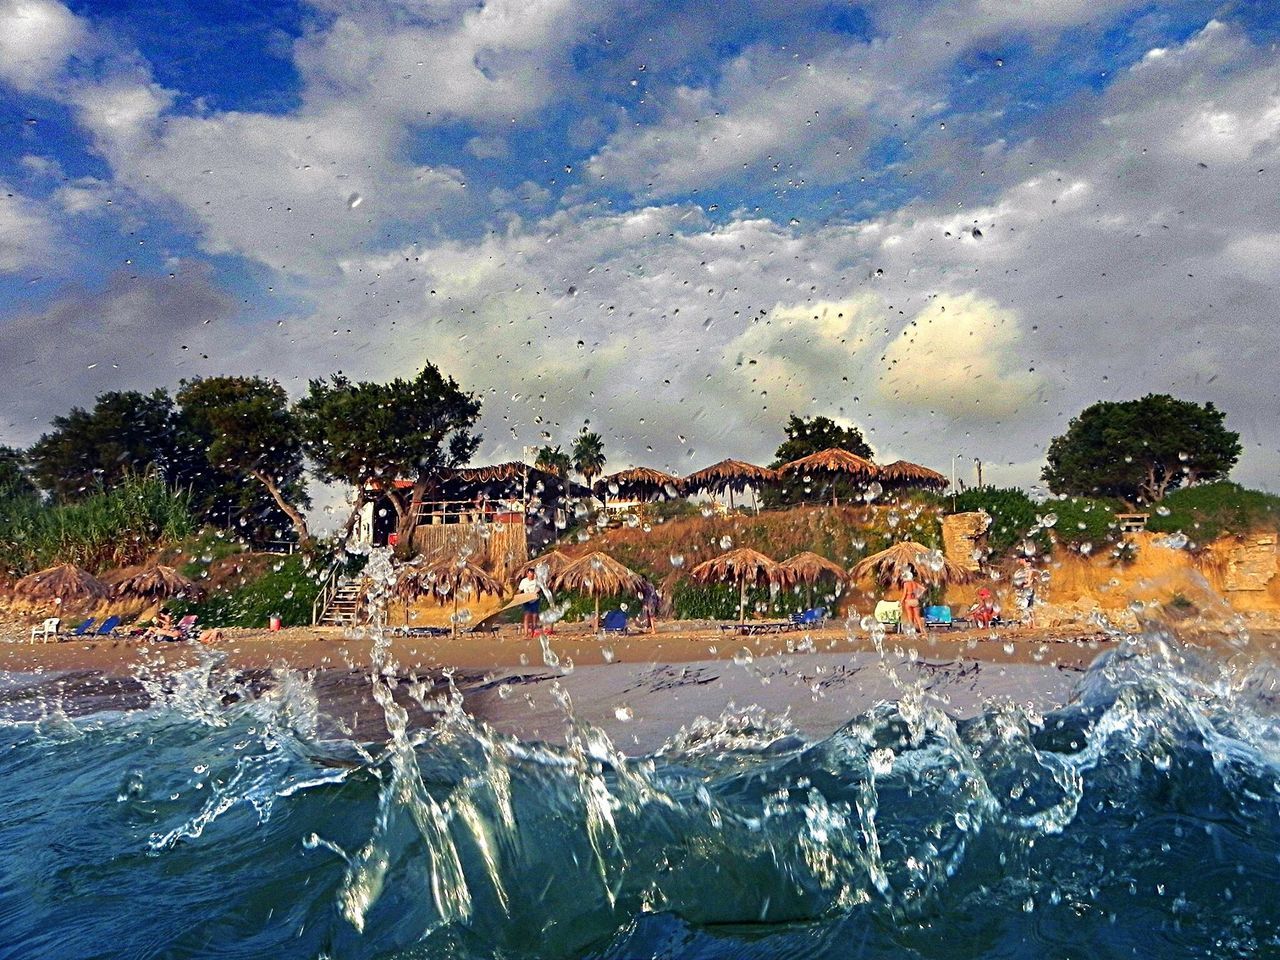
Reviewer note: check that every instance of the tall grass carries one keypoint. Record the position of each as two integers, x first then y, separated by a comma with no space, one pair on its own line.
115,527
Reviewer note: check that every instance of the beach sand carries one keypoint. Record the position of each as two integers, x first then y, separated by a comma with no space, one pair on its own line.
640,689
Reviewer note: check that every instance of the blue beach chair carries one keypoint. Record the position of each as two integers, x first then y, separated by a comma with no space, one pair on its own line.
615,621
83,628
108,627
937,616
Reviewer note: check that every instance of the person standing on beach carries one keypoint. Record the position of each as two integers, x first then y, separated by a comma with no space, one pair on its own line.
650,601
912,591
532,608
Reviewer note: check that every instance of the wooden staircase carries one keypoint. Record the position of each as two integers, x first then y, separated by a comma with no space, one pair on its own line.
343,607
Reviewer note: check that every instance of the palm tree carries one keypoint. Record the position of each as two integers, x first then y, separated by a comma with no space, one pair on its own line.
554,460
588,456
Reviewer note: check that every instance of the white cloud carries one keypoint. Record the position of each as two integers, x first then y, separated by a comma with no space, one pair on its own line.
26,233
960,355
36,38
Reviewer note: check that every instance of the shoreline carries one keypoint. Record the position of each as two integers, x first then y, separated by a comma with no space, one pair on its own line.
641,689
320,648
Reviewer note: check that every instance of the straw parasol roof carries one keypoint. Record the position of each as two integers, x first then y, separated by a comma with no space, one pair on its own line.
63,582
157,581
554,561
640,483
599,575
809,567
729,475
929,566
832,463
906,474
833,460
456,577
741,566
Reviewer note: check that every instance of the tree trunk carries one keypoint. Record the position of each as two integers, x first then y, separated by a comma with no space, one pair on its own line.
353,516
407,517
295,516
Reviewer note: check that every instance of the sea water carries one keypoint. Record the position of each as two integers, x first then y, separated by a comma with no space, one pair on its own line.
1142,820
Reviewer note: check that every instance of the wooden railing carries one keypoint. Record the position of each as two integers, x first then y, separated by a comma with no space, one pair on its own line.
465,511
327,591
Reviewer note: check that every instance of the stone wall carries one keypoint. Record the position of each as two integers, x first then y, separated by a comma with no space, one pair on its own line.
964,538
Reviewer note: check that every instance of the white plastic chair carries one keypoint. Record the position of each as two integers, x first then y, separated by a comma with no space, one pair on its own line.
46,630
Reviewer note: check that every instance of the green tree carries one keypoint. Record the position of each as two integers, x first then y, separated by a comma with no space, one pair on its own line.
811,435
554,460
14,481
249,432
1140,450
588,455
125,433
369,435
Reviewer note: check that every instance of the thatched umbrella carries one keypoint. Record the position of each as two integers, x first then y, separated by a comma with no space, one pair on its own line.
833,463
553,562
903,473
639,483
156,582
809,568
730,475
929,566
599,575
741,566
454,577
63,582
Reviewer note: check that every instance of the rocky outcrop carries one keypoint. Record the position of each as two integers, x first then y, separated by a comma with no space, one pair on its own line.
964,538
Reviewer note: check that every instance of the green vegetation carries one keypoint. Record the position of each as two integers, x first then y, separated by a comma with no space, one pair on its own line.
1210,510
720,602
371,434
1083,521
1013,515
812,435
288,588
249,432
1140,450
111,528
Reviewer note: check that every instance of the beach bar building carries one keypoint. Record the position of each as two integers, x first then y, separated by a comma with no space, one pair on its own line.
499,515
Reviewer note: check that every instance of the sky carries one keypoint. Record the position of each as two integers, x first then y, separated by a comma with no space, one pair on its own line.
953,224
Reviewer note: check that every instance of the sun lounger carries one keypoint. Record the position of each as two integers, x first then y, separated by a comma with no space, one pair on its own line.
889,612
809,618
46,630
938,616
83,628
753,627
615,621
108,627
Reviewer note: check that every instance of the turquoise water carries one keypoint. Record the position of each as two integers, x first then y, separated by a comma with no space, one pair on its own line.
1141,821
